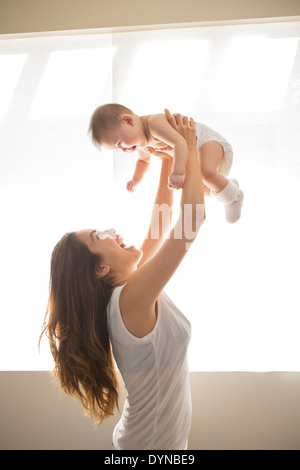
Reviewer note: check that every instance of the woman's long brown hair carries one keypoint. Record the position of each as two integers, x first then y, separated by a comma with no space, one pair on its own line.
76,326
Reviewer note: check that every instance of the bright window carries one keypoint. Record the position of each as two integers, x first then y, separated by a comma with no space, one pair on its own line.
239,284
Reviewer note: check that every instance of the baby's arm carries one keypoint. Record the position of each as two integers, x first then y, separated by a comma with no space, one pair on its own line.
141,167
162,130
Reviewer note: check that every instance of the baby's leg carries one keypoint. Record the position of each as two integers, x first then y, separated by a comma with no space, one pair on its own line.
211,155
224,190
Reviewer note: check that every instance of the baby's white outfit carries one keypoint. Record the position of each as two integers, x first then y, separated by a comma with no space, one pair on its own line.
231,196
157,411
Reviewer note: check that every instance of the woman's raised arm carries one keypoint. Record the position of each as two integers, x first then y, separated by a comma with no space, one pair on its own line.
160,221
139,295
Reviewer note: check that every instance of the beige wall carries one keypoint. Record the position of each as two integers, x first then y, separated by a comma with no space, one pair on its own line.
17,16
230,410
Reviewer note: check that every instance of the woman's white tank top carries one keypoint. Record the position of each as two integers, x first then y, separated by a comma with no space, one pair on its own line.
157,411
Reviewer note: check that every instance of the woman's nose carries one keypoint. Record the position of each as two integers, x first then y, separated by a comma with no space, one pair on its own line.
112,232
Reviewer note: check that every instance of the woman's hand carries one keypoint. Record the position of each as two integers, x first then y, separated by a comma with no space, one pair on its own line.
157,153
184,126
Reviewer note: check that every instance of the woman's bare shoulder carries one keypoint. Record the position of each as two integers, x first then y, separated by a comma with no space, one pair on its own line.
138,319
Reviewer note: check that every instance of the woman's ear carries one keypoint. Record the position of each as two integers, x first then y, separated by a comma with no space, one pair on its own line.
102,271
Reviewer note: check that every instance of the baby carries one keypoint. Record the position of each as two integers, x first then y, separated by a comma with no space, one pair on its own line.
116,127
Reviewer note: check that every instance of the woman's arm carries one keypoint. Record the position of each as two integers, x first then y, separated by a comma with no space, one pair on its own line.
138,297
161,129
160,221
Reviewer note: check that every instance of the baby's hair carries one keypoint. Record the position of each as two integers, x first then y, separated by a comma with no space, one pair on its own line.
105,118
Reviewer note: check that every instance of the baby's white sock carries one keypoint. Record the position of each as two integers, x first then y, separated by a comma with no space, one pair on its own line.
232,197
229,193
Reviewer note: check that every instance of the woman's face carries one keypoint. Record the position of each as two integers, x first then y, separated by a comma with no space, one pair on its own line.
120,259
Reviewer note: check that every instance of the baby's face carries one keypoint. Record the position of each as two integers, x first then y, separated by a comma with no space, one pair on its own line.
128,137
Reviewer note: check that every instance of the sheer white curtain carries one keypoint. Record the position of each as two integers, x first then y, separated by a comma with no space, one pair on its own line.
238,284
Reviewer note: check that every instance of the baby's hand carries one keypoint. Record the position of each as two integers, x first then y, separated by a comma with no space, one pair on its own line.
131,185
175,181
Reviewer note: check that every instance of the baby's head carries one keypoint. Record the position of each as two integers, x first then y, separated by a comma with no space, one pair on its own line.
116,127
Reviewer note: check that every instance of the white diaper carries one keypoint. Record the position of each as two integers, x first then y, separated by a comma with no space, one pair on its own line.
206,134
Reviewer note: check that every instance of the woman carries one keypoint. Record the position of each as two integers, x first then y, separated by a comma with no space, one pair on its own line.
104,295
